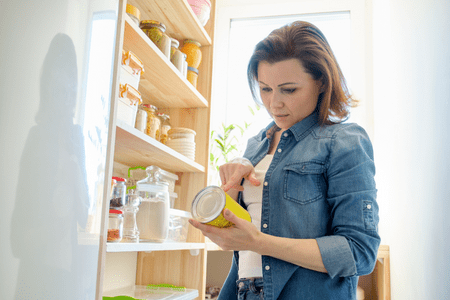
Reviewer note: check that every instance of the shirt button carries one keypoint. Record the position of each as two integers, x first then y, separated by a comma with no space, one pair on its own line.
279,150
267,268
369,206
266,183
241,284
285,134
265,225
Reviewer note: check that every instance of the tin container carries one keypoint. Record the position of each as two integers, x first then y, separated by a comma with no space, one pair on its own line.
208,206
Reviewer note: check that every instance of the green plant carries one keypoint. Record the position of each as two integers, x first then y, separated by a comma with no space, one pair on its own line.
225,144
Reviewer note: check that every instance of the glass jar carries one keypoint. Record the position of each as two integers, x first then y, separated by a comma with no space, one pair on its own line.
176,56
115,226
153,122
165,127
119,192
130,229
153,215
141,120
193,52
155,30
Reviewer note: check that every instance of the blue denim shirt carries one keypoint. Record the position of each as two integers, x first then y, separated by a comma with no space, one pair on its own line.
319,185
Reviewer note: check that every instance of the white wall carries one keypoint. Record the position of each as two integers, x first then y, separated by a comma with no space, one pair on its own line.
412,143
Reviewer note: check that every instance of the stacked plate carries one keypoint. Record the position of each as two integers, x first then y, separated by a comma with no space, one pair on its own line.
182,140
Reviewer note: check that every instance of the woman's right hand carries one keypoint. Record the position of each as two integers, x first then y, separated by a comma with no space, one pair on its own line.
232,173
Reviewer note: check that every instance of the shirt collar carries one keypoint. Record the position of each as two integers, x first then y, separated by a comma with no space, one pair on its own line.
298,130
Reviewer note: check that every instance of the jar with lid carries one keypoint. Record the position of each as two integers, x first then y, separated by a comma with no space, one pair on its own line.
130,229
165,127
155,30
176,56
115,226
119,192
141,119
153,215
153,122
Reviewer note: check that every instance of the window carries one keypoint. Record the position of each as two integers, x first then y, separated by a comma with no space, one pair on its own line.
240,25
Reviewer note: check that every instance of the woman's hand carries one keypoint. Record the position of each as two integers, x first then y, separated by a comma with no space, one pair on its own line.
243,235
234,171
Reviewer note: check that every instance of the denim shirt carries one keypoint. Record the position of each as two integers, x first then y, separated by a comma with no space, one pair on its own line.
320,185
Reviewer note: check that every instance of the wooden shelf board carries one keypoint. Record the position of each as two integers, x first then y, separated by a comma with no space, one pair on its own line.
160,75
178,17
148,247
135,148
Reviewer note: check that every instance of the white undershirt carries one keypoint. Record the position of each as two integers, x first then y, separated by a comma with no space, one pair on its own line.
250,264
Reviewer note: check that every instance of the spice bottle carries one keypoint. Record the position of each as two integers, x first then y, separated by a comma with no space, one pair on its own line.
119,193
176,56
153,215
165,127
115,226
153,122
155,30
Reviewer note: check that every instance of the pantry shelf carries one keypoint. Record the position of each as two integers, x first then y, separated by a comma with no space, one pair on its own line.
134,147
148,247
178,17
160,75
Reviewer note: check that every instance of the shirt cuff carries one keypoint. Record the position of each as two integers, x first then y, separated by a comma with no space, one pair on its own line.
337,256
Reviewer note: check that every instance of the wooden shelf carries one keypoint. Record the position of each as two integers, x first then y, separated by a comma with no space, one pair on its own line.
135,148
148,247
178,17
160,75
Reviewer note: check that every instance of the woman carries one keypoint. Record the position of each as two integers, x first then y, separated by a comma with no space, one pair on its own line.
307,180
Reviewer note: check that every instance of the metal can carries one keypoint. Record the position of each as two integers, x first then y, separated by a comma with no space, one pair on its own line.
208,206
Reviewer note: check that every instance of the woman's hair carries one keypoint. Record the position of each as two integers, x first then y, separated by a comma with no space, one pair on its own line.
305,42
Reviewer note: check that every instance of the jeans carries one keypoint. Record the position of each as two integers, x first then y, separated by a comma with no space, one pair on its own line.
250,289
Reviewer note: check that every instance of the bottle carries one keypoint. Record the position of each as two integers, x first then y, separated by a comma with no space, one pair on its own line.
153,215
141,119
119,193
165,127
153,122
130,229
176,56
115,226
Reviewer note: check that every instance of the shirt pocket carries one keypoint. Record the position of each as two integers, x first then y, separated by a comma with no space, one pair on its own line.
304,182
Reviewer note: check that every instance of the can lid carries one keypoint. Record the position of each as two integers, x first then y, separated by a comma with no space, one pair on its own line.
208,204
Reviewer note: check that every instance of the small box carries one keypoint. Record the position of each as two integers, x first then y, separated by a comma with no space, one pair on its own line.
129,100
178,225
170,178
131,69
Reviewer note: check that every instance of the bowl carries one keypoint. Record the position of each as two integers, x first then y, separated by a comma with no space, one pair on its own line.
202,9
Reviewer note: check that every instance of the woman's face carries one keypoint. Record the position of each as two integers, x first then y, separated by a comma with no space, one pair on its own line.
288,93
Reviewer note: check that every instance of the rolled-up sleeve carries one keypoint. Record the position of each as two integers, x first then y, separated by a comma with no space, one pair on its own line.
352,246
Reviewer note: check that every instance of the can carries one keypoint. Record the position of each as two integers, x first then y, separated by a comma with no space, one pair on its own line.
208,205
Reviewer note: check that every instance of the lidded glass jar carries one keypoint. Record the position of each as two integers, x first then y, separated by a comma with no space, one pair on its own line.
118,193
115,226
155,30
165,127
153,215
153,122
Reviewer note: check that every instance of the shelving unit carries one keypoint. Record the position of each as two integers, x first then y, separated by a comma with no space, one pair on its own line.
180,264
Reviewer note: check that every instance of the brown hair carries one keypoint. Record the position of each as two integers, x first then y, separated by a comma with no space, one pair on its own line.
305,42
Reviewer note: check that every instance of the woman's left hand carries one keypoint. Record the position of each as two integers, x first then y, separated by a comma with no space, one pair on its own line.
243,235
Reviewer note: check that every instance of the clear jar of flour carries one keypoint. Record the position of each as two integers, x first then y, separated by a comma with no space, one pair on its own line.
153,215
